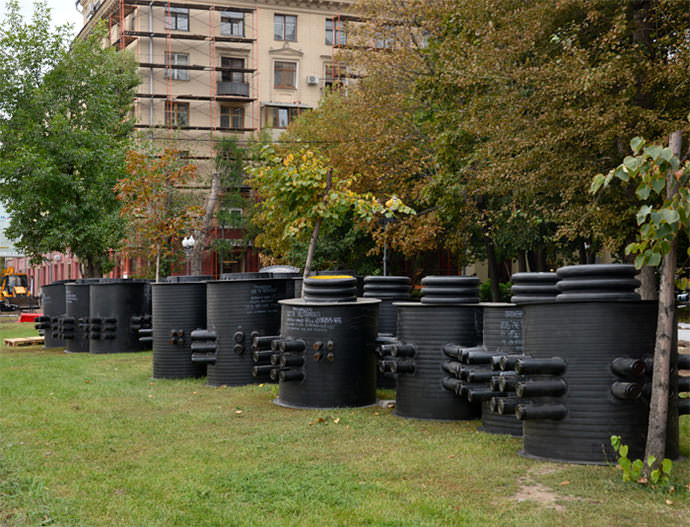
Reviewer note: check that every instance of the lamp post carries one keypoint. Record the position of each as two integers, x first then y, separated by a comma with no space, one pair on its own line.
188,245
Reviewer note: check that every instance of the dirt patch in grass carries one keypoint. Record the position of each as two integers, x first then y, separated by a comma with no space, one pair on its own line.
532,490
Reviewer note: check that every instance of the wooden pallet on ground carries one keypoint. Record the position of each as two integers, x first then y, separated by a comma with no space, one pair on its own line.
25,341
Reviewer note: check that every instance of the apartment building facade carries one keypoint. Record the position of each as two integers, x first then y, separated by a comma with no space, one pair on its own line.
224,68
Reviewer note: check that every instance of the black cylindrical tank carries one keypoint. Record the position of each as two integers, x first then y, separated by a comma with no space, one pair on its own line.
179,307
337,364
426,328
502,331
53,307
238,308
588,337
388,289
77,297
118,309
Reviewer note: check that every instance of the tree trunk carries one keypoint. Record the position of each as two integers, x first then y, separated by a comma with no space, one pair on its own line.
659,413
648,289
522,262
201,243
91,269
493,269
310,251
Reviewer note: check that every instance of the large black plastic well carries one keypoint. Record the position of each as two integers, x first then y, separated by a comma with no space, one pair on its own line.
237,308
337,367
588,336
118,309
388,289
426,328
53,307
178,308
502,333
77,296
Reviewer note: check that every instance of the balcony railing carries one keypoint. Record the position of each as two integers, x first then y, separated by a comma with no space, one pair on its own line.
233,88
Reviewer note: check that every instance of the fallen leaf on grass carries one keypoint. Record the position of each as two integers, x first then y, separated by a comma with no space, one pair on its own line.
336,420
238,412
564,483
150,396
669,502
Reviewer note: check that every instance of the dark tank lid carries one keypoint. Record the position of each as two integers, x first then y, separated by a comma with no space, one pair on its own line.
450,290
330,288
187,278
243,276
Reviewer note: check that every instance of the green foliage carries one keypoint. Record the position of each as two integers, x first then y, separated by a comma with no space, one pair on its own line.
64,134
298,190
633,469
661,216
485,291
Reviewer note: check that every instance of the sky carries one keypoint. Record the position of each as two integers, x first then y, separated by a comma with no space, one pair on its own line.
62,12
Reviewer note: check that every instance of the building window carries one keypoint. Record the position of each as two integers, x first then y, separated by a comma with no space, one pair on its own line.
177,18
334,75
282,117
232,23
234,63
232,117
285,27
340,39
285,75
177,59
176,113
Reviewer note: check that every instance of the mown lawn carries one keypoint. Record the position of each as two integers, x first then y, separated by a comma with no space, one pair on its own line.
89,440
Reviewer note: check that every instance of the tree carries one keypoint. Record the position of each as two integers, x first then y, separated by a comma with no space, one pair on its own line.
663,185
64,135
155,211
299,192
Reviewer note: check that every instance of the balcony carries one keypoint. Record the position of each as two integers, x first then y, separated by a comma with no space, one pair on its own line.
233,88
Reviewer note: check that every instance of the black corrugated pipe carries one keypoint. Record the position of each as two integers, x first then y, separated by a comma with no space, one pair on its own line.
548,387
507,383
452,367
684,406
628,367
406,366
473,376
262,370
529,366
626,391
291,360
683,384
451,384
204,358
262,356
525,412
495,381
290,375
403,350
146,336
684,362
452,350
384,366
263,343
477,355
477,393
291,346
507,405
203,347
507,362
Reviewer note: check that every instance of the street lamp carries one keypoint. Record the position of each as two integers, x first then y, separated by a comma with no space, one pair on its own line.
188,245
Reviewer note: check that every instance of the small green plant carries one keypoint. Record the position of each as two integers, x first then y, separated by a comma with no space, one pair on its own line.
632,469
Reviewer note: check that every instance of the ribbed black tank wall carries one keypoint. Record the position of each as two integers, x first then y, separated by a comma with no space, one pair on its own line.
241,306
118,308
588,336
388,289
502,335
77,308
428,327
178,309
53,306
339,367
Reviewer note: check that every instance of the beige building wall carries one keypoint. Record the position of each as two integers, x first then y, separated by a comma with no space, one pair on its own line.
271,80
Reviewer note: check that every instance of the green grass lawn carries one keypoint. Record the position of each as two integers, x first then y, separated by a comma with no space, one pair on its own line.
92,440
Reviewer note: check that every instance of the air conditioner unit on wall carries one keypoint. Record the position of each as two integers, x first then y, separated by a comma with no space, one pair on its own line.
312,80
